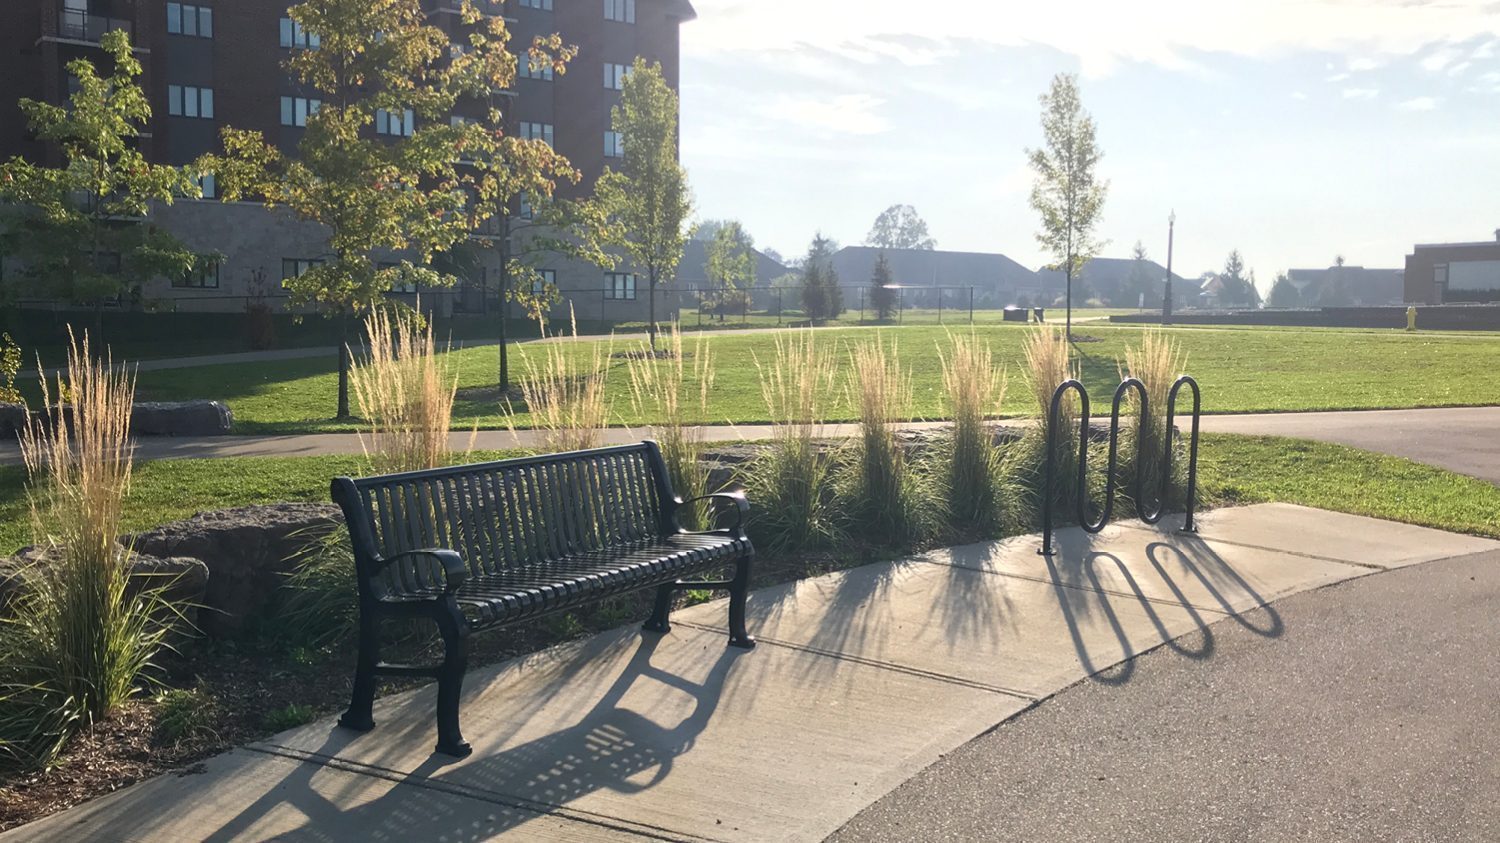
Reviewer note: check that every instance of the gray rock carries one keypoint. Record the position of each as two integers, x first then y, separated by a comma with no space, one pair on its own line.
248,551
13,419
181,418
184,580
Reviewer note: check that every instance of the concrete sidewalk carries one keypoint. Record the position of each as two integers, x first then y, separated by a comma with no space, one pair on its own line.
862,679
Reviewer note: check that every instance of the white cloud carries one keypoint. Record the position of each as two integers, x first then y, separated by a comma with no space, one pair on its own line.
1418,104
1337,77
845,114
1362,65
1361,93
1368,30
1299,96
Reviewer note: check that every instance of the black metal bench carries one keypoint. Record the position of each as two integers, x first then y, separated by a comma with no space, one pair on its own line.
486,545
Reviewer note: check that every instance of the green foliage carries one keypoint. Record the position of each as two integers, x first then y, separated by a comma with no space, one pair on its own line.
882,296
184,714
900,227
647,198
320,607
78,229
821,297
1067,194
731,268
1284,293
1237,287
880,491
288,717
10,366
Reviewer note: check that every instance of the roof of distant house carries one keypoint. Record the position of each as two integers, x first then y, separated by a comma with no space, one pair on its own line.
934,267
692,270
1110,272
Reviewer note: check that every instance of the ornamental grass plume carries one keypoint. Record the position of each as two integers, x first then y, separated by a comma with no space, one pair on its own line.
881,489
670,391
405,390
975,387
79,634
569,408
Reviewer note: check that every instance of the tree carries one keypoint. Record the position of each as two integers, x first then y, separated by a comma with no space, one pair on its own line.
1067,194
882,294
381,164
79,229
821,296
705,230
731,267
647,197
774,255
1284,293
900,227
1238,287
1142,281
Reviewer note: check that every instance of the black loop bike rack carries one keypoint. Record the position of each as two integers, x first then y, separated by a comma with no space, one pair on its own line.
1090,521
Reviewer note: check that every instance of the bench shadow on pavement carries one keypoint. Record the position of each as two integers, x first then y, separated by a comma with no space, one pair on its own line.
608,748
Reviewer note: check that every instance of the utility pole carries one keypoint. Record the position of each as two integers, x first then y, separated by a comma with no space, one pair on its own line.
1166,301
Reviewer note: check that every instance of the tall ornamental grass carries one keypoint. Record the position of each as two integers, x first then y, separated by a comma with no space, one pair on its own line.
882,491
790,479
975,386
78,637
405,391
1156,362
1049,362
567,407
669,390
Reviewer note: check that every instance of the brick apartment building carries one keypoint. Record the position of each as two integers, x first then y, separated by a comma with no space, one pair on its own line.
216,63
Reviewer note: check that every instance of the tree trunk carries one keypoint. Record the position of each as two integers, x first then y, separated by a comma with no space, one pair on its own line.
343,412
504,300
651,311
1069,329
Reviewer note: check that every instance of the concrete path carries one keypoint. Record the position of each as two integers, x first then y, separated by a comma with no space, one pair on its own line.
862,679
1461,439
1370,715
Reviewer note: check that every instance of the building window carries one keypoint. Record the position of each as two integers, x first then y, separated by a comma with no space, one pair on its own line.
401,284
619,286
614,145
542,281
544,5
388,123
209,187
183,19
188,101
526,71
297,267
537,131
614,76
205,277
296,110
525,210
620,10
293,36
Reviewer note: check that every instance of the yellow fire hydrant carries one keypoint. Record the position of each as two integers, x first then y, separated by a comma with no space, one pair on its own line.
1411,318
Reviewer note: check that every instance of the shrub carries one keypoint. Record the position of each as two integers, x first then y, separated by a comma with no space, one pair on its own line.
10,366
184,714
289,717
881,490
405,392
975,387
568,408
1049,363
1156,362
789,479
79,637
664,390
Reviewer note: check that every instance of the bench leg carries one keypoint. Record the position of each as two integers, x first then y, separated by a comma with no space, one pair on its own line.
739,590
360,716
450,683
658,621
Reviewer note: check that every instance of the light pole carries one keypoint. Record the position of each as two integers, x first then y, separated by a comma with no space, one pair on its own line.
1166,301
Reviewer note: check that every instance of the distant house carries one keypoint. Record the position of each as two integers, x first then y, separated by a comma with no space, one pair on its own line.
1220,292
1118,282
692,270
996,279
1443,273
1346,286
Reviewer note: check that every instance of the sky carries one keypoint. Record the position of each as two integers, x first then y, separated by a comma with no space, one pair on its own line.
1292,131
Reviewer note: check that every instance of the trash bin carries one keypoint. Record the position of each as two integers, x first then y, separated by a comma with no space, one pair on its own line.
1013,314
1040,314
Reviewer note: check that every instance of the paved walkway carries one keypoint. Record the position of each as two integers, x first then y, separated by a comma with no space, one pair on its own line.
862,679
1370,716
1461,439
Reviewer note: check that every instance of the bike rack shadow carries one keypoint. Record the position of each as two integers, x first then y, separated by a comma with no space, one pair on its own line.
1087,519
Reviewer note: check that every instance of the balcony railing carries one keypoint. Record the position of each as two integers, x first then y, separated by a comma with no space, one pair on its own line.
82,26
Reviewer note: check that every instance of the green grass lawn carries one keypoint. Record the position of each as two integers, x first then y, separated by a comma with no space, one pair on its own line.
1240,371
1234,470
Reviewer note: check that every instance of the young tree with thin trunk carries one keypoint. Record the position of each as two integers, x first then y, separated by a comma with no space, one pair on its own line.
647,197
730,266
79,230
1067,193
882,292
381,164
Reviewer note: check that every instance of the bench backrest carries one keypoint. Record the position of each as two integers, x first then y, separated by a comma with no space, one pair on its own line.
511,513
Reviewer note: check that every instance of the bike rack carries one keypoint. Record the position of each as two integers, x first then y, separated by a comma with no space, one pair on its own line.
1094,523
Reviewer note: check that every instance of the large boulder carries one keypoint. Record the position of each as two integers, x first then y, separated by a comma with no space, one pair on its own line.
181,418
13,419
184,579
249,553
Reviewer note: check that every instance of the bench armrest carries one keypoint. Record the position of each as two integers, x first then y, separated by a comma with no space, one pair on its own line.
737,498
455,572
